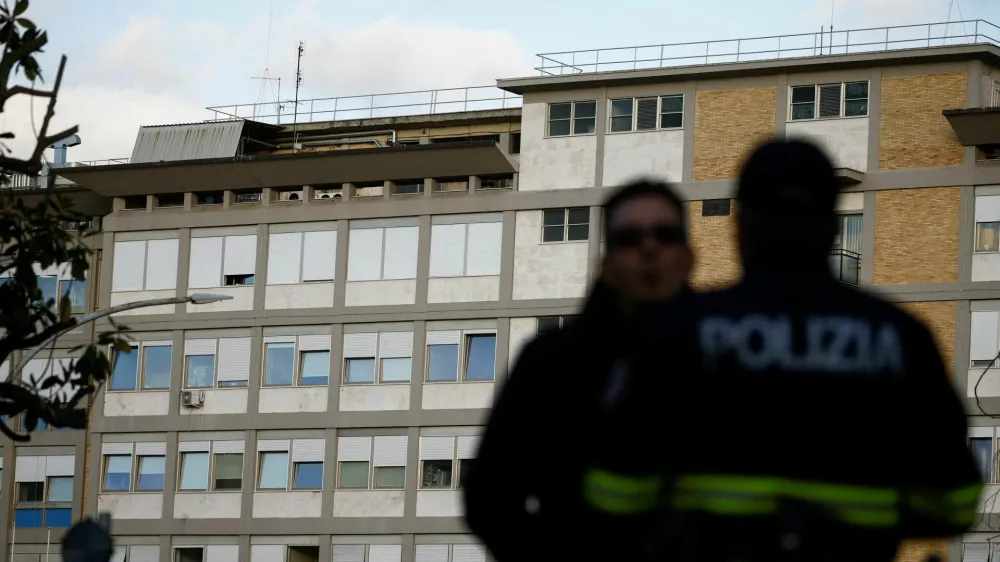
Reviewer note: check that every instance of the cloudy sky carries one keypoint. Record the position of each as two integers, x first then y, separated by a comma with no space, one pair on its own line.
164,61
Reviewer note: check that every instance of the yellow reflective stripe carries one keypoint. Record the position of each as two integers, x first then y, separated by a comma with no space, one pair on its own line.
959,507
800,489
869,517
619,494
726,505
967,495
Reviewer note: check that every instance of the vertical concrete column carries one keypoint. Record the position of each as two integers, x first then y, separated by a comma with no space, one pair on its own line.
475,184
329,475
228,199
412,473
594,243
256,368
503,350
417,366
874,117
423,259
265,196
172,462
867,273
430,186
781,111
260,267
409,549
690,101
336,368
183,267
189,200
966,232
387,188
601,126
308,194
507,258
340,268
176,372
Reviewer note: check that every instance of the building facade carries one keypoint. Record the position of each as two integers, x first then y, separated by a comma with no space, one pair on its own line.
383,273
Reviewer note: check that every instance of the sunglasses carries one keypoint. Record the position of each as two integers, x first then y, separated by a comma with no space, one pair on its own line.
634,237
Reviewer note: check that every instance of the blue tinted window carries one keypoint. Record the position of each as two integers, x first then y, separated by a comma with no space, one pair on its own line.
200,371
280,362
274,471
118,473
60,489
151,470
442,363
482,357
194,471
126,369
308,476
315,367
41,426
27,518
360,370
58,518
76,290
156,370
49,287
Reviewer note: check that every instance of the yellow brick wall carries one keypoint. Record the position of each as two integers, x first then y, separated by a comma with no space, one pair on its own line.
728,124
918,551
916,235
913,133
716,257
939,316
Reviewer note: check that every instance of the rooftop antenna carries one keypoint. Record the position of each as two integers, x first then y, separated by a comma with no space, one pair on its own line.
831,25
266,76
298,82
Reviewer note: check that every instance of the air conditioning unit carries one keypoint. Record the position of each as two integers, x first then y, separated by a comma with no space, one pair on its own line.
192,398
290,196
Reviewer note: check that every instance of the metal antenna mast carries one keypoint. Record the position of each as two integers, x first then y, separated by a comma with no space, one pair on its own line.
298,83
277,99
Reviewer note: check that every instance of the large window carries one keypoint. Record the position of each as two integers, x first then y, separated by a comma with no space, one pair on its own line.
371,463
987,223
145,265
301,257
379,253
466,248
211,466
827,101
295,464
377,358
646,114
984,338
133,468
296,361
145,367
44,491
982,453
444,460
572,118
566,225
55,287
222,363
221,261
454,356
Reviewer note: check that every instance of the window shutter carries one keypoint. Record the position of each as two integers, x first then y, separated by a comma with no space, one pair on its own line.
199,347
450,337
4,370
485,239
234,359
273,445
390,451
151,449
267,553
359,345
116,448
317,342
118,554
143,554
279,339
468,446
27,557
222,553
431,553
349,553
384,553
129,263
829,100
308,450
205,263
987,208
319,255
468,553
401,252
29,469
646,114
395,344
437,448
284,258
354,449
194,446
984,335
976,552
60,465
228,446
161,267
364,254
240,255
448,250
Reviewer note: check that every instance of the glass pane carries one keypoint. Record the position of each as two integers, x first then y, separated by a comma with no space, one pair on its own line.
151,471
396,369
554,217
354,474
578,232
482,357
436,474
194,471
671,120
560,110
982,452
200,371
553,233
118,473
803,111
671,104
39,426
559,128
803,94
829,100
232,384
308,476
361,370
585,126
585,109
465,466
579,216
548,324
621,124
58,518
619,108
76,290
30,492
61,489
987,236
126,367
28,518
442,363
855,108
280,364
156,370
274,471
315,367
390,477
49,287
228,471
849,236
856,90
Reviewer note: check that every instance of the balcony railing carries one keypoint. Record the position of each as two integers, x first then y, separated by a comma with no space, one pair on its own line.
846,265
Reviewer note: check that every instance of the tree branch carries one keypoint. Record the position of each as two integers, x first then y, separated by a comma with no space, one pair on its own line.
33,165
15,90
17,342
13,57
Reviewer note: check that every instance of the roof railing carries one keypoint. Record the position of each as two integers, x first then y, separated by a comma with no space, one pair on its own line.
774,47
369,106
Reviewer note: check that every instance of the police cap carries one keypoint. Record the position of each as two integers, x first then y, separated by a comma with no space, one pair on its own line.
788,176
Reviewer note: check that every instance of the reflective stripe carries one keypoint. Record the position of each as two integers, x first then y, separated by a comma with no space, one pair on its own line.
619,494
959,507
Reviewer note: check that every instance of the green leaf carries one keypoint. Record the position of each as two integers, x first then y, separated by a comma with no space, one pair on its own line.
25,23
65,309
20,7
122,346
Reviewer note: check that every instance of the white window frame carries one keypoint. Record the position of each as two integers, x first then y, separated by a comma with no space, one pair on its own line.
975,247
145,265
140,375
480,551
986,432
135,465
302,256
132,475
372,472
456,458
572,118
635,114
843,99
216,383
465,248
210,485
289,469
463,356
299,357
381,276
973,339
565,224
221,280
377,379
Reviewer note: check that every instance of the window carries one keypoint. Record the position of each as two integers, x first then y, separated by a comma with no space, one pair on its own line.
715,208
572,118
247,196
984,338
476,348
206,367
152,469
284,367
566,225
308,476
145,265
826,101
228,471
168,200
304,464
30,492
982,453
382,253
215,466
273,471
43,483
208,198
988,236
60,489
135,202
408,187
552,323
449,552
301,257
220,261
646,114
117,473
443,460
849,233
377,358
375,552
189,554
194,471
155,371
371,463
466,249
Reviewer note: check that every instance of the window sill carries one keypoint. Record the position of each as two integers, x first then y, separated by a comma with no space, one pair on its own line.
363,384
267,386
594,134
987,252
790,120
657,130
109,391
565,242
460,382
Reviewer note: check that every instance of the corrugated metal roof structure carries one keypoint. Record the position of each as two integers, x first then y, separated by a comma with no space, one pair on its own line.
195,141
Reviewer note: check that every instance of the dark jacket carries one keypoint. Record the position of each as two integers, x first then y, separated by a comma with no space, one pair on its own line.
535,443
808,408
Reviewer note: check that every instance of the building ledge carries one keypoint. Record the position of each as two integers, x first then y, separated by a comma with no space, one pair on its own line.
849,176
975,126
304,168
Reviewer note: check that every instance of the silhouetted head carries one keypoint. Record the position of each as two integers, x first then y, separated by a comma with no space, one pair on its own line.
647,258
787,199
